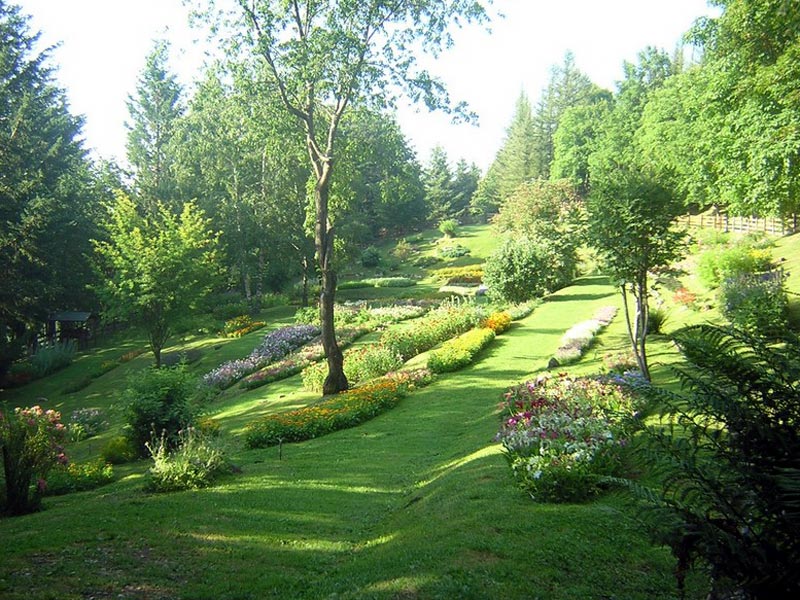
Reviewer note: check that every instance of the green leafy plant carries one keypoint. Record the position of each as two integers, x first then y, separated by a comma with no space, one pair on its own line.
118,450
440,324
158,402
725,451
360,365
370,257
453,251
78,477
656,319
756,303
195,463
448,228
52,357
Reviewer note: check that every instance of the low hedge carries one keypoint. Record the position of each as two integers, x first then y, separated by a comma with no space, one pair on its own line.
459,352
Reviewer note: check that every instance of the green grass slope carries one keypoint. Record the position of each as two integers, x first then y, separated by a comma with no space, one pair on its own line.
417,503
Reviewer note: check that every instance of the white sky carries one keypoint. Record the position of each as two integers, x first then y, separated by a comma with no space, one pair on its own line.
104,44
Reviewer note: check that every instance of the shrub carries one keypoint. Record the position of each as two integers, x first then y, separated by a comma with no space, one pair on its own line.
118,450
656,319
352,285
426,261
755,303
158,404
453,251
448,228
384,282
459,352
52,357
723,455
520,311
195,463
85,423
716,265
30,440
79,477
171,359
456,275
230,308
561,434
347,409
403,250
522,269
619,363
498,322
370,257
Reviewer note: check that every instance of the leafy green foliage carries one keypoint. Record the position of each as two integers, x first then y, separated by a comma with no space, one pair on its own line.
118,450
194,464
78,477
49,198
156,269
755,303
460,351
449,228
360,365
443,323
158,405
725,452
522,269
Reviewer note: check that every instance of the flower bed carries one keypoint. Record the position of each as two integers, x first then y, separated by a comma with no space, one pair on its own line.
241,325
561,434
579,337
460,351
274,346
360,365
344,410
304,357
441,324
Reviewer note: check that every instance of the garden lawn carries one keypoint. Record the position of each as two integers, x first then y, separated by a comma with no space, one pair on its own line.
417,503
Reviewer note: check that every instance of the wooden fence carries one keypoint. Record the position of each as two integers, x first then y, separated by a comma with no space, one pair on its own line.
771,225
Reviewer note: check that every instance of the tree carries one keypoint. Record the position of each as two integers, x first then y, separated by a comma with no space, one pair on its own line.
238,153
632,205
326,56
48,199
567,87
438,181
514,163
154,112
574,138
155,268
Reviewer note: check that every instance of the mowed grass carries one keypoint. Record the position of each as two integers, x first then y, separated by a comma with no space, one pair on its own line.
417,503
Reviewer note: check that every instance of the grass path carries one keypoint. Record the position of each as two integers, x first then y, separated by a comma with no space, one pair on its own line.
417,503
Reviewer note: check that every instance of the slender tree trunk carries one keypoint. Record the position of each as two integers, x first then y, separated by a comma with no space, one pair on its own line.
336,381
304,293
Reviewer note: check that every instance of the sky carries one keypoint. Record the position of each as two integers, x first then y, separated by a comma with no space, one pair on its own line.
102,45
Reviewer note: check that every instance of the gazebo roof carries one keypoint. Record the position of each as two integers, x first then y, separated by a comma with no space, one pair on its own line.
70,316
